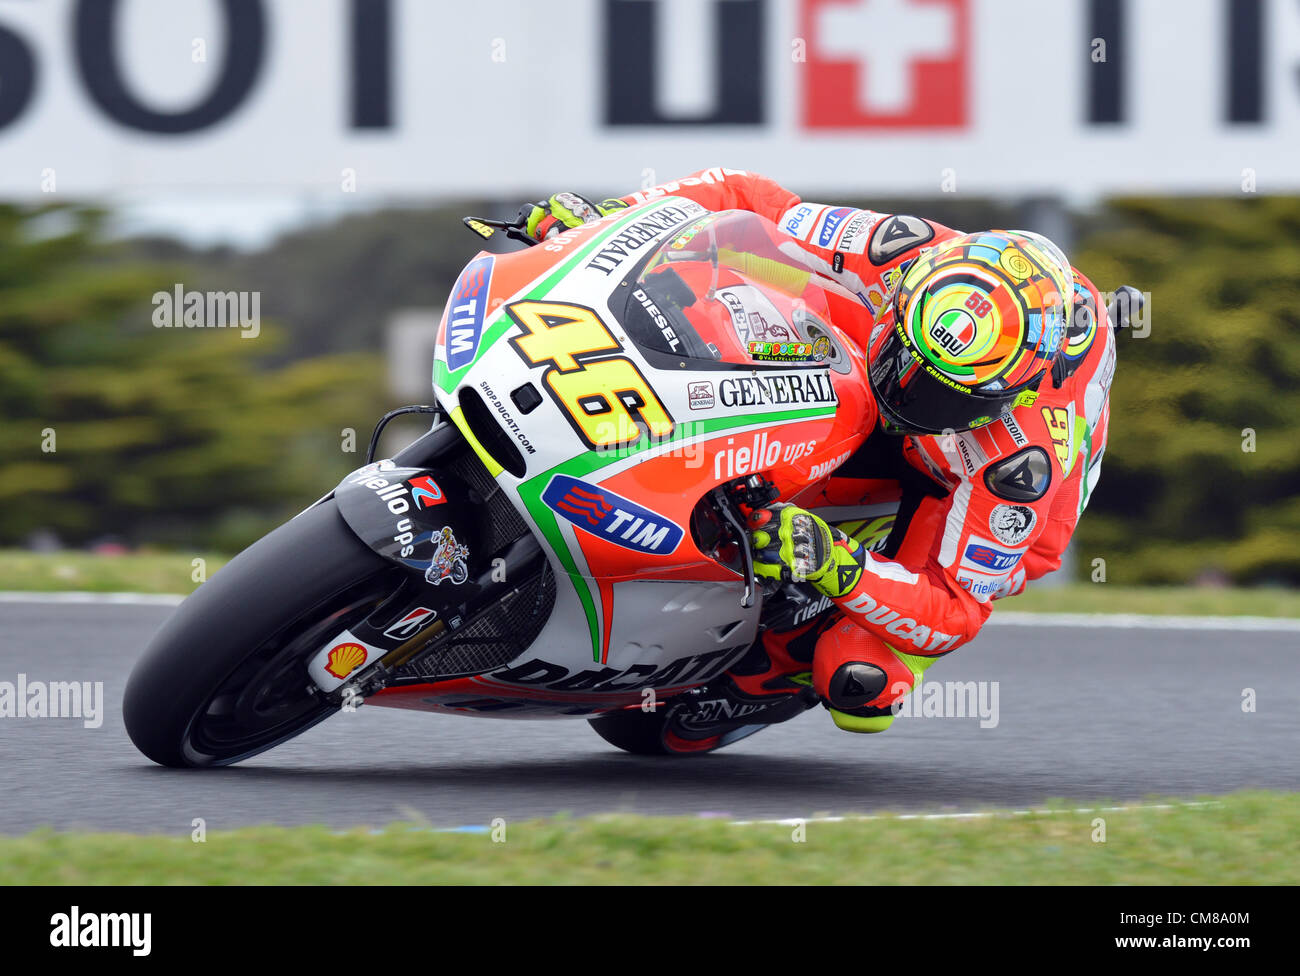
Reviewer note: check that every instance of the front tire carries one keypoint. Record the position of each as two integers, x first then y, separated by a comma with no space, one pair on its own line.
225,678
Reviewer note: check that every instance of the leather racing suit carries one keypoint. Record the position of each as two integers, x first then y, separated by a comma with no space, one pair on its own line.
975,515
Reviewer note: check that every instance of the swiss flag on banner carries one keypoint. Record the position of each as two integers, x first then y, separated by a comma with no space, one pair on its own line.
885,63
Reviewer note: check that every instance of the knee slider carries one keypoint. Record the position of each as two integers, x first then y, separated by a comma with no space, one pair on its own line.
854,684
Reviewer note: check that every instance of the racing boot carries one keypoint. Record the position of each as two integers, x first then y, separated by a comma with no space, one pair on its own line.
781,660
771,683
861,679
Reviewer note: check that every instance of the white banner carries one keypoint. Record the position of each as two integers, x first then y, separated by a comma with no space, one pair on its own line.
439,98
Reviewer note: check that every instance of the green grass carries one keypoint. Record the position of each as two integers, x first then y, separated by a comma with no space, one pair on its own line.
1245,838
86,571
172,573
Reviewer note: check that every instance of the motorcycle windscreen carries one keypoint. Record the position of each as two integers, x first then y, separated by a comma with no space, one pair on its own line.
723,291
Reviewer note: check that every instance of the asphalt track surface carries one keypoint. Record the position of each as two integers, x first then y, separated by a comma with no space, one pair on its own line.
1100,714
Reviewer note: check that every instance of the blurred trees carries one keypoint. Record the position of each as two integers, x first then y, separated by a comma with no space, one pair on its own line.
168,435
336,285
1219,371
201,437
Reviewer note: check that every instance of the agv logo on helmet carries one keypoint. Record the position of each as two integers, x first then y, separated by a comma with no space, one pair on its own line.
973,323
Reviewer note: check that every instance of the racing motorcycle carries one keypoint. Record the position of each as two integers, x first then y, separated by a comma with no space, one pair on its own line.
568,538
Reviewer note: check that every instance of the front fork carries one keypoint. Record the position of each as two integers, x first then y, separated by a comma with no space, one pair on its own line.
382,497
362,659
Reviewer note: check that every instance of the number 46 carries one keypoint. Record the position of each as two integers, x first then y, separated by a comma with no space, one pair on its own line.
607,400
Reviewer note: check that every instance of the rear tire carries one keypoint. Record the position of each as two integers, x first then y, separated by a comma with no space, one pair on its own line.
633,730
642,734
225,678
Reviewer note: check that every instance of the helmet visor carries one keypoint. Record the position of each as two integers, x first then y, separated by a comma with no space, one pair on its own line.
915,398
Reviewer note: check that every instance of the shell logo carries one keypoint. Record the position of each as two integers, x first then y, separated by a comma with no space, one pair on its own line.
344,659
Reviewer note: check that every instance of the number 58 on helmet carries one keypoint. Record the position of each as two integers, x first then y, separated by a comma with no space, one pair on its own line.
974,324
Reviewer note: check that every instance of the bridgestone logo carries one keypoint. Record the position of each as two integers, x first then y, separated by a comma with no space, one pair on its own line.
806,387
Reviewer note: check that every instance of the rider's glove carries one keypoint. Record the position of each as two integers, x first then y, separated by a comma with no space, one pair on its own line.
562,211
795,546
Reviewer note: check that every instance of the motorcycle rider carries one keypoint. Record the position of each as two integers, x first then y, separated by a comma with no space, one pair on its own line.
990,361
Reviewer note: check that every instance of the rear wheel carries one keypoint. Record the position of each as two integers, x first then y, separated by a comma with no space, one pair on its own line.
226,677
644,734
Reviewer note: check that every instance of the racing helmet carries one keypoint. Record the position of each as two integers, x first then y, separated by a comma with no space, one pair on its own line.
972,327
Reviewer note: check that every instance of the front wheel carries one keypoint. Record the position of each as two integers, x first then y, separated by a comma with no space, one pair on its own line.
226,676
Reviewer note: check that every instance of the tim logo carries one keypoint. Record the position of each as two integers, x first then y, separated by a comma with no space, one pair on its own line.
992,558
830,224
466,309
612,517
426,492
